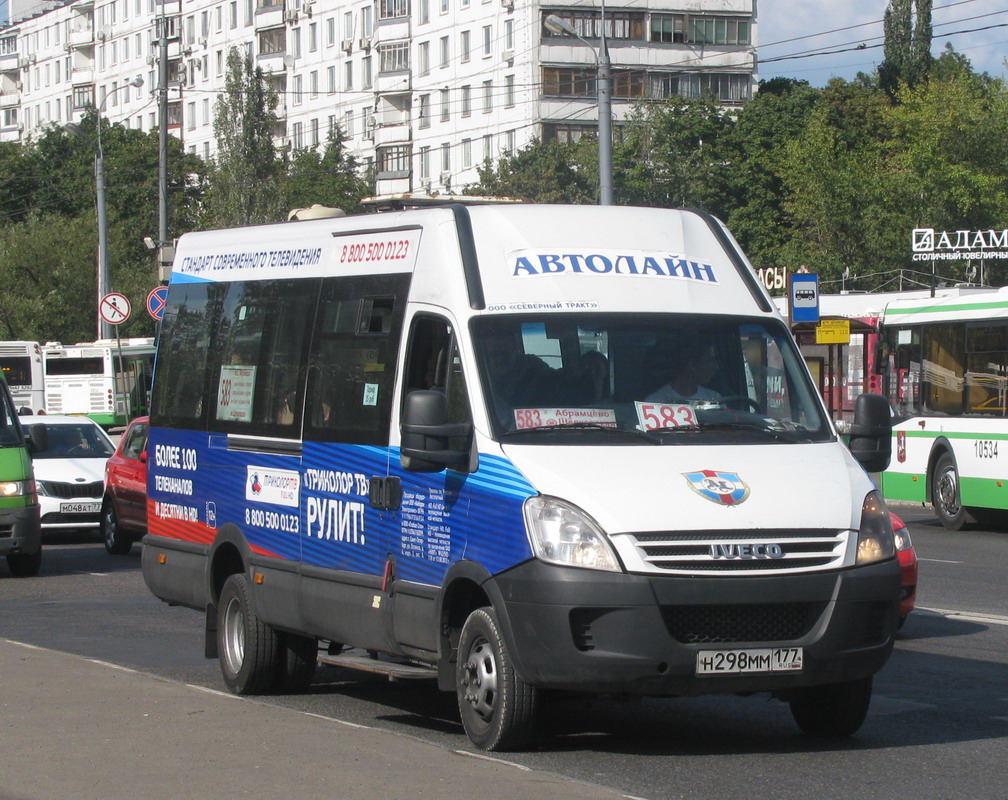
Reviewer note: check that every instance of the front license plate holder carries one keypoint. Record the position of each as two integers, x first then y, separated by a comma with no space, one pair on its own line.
80,508
750,660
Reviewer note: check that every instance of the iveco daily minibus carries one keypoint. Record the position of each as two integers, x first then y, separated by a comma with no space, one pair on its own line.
524,448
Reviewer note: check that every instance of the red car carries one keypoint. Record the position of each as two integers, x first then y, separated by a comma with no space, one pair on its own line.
124,506
908,567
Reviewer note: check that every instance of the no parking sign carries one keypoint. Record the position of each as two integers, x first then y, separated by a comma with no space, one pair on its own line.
156,300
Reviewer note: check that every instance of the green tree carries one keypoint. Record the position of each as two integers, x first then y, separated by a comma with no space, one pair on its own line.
245,181
330,178
907,48
680,155
542,172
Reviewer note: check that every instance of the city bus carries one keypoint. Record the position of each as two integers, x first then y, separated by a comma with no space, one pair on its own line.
21,363
943,364
105,380
458,442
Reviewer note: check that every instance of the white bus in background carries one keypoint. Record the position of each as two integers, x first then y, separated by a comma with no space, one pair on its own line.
21,363
83,379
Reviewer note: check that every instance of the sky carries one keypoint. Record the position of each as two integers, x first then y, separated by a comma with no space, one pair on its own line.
791,31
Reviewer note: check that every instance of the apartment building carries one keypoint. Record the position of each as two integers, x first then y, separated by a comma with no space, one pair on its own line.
424,90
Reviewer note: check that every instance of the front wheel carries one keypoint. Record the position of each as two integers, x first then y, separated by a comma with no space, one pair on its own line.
116,541
832,711
945,495
248,647
25,565
497,707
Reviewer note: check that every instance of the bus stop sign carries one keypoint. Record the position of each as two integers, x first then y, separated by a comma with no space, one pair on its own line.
803,297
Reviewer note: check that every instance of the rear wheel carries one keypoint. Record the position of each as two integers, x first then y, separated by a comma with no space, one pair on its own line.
247,646
25,565
945,495
116,541
832,711
298,657
497,707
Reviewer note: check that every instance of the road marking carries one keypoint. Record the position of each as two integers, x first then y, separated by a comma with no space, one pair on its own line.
971,616
939,560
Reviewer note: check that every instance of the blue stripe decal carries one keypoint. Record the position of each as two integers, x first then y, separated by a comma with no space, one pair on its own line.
315,508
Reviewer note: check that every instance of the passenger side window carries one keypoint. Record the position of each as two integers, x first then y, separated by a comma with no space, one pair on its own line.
259,356
353,359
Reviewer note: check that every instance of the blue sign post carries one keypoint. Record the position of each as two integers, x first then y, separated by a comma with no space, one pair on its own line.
803,297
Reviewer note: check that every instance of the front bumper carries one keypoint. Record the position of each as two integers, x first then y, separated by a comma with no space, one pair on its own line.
20,531
604,632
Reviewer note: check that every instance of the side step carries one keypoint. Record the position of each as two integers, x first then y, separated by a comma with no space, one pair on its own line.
379,665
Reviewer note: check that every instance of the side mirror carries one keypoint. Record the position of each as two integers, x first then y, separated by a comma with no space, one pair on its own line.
38,437
871,432
143,457
426,432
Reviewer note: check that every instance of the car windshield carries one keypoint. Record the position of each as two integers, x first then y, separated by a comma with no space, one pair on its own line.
645,378
82,440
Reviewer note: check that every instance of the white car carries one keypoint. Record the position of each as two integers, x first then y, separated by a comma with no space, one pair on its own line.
70,472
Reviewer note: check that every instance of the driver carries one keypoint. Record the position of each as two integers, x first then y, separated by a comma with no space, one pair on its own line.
693,367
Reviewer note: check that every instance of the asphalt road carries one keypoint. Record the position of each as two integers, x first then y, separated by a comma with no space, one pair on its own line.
938,726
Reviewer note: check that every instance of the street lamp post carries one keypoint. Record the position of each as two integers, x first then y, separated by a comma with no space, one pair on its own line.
604,80
104,284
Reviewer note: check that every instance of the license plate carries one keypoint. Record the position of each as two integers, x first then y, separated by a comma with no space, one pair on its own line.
80,508
762,659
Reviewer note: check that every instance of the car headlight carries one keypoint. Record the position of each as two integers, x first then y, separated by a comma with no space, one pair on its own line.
875,538
17,488
561,533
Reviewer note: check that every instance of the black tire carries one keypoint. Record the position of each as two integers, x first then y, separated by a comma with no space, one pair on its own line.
248,648
25,565
945,496
498,708
832,711
117,542
298,658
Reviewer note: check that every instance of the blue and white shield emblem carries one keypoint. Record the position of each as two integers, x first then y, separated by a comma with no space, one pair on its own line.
724,488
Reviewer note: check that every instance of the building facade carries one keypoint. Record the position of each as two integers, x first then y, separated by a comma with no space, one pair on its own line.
424,90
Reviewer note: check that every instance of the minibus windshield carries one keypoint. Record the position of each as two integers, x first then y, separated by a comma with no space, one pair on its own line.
645,378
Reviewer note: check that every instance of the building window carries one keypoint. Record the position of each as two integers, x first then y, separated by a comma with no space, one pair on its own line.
313,84
487,147
465,46
297,90
466,153
313,135
312,38
700,29
393,9
423,113
330,32
423,58
445,107
424,163
367,24
487,96
331,79
444,51
394,160
297,139
272,41
445,157
466,101
726,87
348,128
348,76
393,57
587,24
509,91
487,41
424,11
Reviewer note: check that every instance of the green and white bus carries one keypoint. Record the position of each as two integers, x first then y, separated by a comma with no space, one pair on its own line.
944,368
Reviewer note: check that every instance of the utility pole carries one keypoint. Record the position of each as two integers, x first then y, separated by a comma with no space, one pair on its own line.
165,251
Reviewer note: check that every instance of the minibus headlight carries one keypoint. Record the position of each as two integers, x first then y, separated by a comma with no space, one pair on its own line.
17,488
561,533
875,538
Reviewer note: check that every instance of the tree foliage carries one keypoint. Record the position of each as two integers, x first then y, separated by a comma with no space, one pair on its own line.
245,181
330,178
